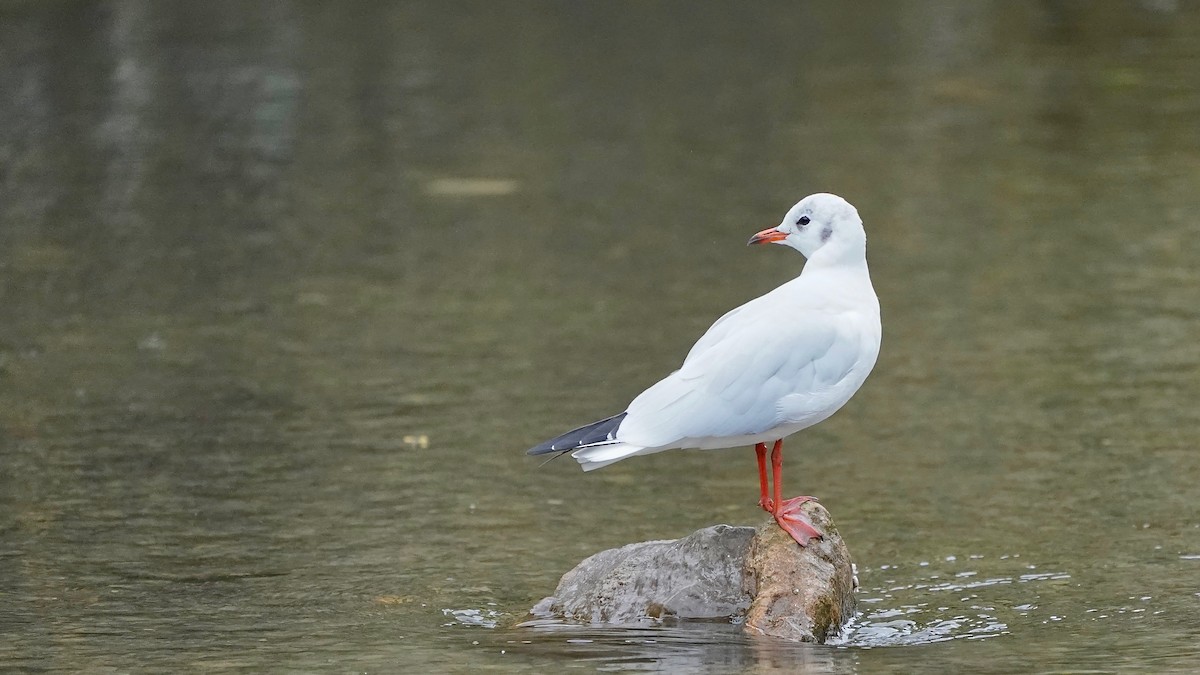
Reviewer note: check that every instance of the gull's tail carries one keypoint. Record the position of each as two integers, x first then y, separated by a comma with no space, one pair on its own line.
592,445
603,454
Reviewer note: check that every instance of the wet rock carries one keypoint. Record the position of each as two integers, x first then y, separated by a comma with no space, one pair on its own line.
755,576
697,577
799,594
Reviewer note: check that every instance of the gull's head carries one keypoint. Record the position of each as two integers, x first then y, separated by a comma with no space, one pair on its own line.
820,221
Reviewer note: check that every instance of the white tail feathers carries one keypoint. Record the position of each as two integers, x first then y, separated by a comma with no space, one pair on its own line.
603,454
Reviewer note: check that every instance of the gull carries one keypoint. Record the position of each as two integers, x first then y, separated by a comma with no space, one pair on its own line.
776,365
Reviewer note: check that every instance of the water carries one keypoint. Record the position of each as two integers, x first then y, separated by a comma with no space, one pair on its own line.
288,288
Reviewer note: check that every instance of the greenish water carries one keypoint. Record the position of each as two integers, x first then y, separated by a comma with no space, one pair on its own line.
287,288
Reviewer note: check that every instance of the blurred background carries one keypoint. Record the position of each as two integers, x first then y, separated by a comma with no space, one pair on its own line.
287,288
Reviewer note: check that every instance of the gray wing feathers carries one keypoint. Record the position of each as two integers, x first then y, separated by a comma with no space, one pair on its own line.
732,386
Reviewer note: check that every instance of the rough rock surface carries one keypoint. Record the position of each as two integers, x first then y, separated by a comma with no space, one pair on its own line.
697,577
758,577
799,594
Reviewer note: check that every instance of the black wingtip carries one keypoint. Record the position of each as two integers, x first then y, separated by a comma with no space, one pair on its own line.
596,432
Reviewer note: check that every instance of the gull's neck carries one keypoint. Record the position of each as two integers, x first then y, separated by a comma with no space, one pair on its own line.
849,255
841,269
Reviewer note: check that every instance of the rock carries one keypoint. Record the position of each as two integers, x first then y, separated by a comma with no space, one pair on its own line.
803,594
697,577
757,577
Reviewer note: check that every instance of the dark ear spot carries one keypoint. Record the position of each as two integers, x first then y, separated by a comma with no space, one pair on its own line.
826,234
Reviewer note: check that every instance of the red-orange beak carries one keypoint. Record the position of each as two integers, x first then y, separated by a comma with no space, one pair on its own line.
767,237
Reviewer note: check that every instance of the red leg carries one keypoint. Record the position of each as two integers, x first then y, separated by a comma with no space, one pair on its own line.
764,500
777,469
788,513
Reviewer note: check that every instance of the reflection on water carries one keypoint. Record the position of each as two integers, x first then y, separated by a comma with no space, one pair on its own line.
683,648
287,288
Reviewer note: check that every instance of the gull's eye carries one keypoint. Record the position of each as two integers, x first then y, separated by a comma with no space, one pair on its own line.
804,220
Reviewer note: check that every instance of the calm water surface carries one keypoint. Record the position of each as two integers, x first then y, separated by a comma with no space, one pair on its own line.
287,288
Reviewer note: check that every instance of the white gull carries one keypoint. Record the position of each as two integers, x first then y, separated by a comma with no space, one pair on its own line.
774,366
